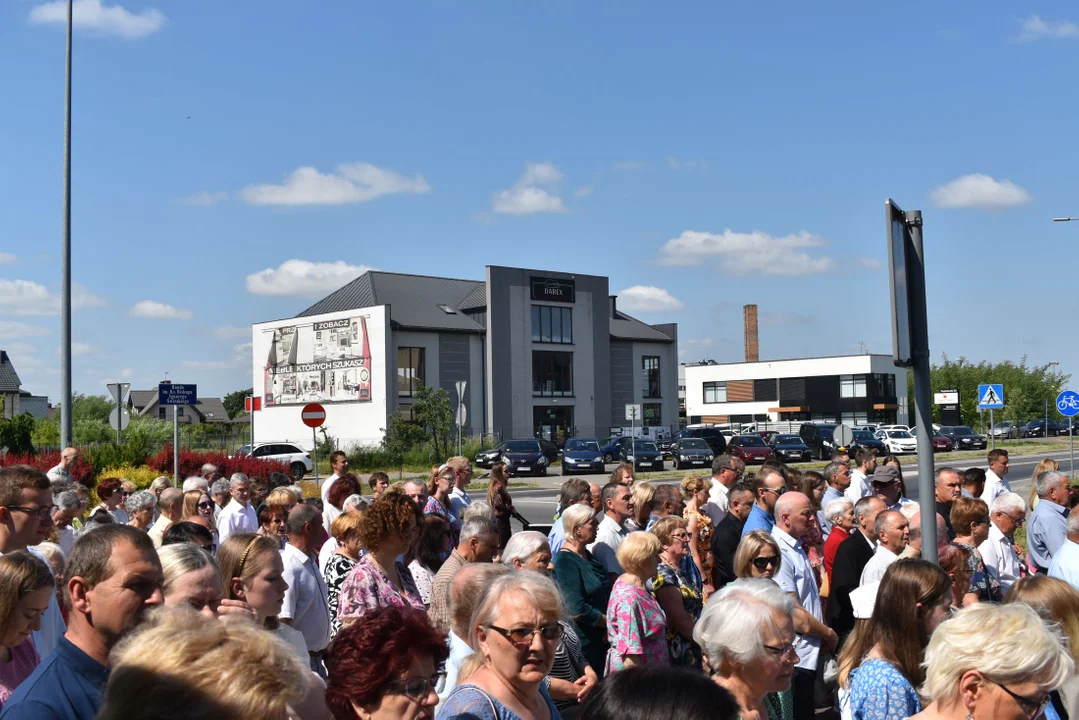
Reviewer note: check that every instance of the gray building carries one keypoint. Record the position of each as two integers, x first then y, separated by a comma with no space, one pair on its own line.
544,353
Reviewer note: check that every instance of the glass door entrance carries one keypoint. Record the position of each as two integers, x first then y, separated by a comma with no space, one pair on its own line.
553,423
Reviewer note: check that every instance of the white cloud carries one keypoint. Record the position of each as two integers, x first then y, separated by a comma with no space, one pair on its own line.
78,348
868,263
627,166
159,311
534,192
242,348
352,183
9,330
752,253
25,297
125,373
1034,28
231,332
979,191
103,19
302,277
646,298
203,199
583,191
6,258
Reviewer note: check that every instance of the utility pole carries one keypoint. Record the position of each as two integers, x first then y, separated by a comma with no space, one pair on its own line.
65,261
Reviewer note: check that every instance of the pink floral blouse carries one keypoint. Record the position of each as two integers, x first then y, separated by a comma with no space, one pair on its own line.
366,587
636,625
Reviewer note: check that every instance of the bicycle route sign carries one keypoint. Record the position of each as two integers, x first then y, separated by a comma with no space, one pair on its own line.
1068,403
990,397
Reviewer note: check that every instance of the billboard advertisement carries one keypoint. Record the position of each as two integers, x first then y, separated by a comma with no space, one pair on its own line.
317,360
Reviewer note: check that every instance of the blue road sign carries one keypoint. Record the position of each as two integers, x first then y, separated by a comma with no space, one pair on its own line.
173,394
990,397
1068,403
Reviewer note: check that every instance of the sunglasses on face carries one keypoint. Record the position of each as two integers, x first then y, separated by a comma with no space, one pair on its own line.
778,491
417,688
523,636
764,562
205,505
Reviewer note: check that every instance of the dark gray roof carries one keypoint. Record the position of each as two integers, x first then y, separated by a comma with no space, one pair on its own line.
212,410
476,299
625,327
9,379
413,299
141,398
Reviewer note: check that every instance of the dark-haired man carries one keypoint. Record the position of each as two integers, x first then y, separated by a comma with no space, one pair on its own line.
728,534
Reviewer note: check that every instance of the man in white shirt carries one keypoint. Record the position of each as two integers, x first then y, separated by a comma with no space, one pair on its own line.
726,471
62,472
618,503
1066,559
339,465
306,605
793,514
893,534
1007,515
859,477
171,505
238,516
462,475
995,482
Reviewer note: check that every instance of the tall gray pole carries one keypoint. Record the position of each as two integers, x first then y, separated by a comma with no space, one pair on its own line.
919,330
65,261
176,446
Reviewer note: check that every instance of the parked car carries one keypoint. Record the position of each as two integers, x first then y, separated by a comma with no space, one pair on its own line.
871,429
487,458
1005,429
298,460
643,454
524,456
582,455
905,428
710,435
941,442
766,435
963,437
818,436
612,448
898,442
749,449
790,448
550,450
692,452
866,439
1037,428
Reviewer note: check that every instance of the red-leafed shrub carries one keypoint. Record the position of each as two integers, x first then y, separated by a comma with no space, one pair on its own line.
191,463
82,472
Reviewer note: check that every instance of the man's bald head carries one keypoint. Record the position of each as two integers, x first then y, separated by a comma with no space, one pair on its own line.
199,520
892,530
468,590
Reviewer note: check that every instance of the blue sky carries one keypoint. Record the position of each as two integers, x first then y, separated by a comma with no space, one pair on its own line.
235,161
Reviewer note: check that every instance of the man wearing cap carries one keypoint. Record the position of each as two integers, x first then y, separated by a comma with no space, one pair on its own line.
887,486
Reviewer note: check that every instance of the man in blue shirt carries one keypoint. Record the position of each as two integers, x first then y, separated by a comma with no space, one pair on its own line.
1066,560
769,484
1048,527
574,492
113,578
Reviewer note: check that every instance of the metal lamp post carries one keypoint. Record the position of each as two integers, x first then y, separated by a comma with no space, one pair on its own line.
65,263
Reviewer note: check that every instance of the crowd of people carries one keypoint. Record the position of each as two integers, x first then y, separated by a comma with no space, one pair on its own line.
775,595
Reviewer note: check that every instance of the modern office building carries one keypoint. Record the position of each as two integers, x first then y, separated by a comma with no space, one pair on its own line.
541,353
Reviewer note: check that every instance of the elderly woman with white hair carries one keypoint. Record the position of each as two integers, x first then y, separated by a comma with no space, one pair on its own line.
840,515
528,550
747,634
140,509
993,661
583,580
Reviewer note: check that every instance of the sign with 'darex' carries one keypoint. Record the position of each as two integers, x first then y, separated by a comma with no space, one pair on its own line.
553,290
173,394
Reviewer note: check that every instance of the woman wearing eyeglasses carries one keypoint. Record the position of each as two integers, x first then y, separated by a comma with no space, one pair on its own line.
680,599
515,634
970,520
757,556
111,494
198,502
882,667
386,666
747,633
999,662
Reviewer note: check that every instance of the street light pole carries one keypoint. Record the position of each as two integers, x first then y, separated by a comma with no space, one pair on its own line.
65,261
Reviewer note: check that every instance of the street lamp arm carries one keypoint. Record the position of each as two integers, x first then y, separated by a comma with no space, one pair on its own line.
1065,219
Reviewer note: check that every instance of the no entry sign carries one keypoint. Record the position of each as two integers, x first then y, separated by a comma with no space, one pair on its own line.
313,415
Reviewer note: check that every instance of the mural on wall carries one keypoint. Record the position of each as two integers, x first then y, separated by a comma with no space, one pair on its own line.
326,361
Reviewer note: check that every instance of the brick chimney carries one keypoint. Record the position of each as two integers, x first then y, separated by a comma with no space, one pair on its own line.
749,316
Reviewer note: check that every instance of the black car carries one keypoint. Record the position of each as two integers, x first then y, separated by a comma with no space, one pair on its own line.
582,455
487,458
865,439
691,452
642,454
818,437
550,450
524,456
710,435
964,437
1037,428
790,448
612,448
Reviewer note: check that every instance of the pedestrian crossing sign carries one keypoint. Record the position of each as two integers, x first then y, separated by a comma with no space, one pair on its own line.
990,397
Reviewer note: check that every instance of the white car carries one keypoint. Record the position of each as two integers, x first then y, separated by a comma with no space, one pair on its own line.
298,460
905,428
898,442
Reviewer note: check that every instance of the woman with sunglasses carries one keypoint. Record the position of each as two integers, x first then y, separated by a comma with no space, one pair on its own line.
757,556
386,666
198,502
111,494
680,599
970,520
998,662
515,634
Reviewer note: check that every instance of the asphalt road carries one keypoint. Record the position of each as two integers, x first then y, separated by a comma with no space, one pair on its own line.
538,504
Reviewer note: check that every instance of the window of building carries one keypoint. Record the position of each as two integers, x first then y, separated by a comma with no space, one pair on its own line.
410,371
852,386
715,392
854,419
884,384
552,324
552,374
653,414
650,375
161,413
405,413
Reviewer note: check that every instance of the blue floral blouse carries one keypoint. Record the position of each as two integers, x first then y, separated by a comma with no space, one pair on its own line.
880,692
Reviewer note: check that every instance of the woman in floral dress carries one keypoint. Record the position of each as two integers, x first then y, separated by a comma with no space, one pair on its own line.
636,624
680,600
438,499
970,520
697,565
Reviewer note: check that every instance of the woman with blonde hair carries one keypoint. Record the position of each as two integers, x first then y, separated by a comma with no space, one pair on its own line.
346,531
998,662
642,494
680,599
1044,465
439,486
757,556
282,497
1058,603
26,587
695,494
624,473
198,503
636,624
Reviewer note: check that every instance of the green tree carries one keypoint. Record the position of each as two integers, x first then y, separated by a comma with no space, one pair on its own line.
16,434
399,438
46,433
91,407
432,413
234,402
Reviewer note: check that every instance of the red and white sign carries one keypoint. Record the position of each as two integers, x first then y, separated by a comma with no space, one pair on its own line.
313,415
252,404
946,398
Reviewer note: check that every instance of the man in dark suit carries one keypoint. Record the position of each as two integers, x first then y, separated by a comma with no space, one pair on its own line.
850,559
727,535
948,487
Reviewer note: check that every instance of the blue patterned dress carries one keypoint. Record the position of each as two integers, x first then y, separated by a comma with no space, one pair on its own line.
880,692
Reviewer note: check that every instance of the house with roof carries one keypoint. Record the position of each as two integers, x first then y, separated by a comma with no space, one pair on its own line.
205,410
537,353
16,401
